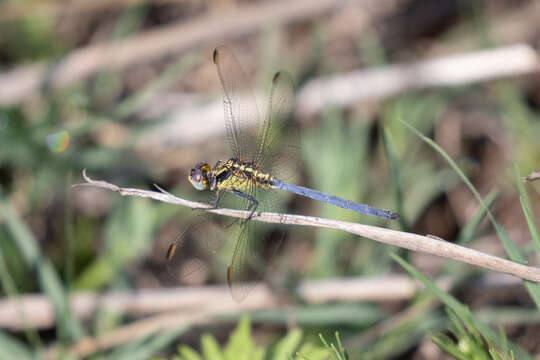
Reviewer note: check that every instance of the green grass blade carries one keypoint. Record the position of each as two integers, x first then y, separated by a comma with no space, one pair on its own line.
509,246
335,353
12,348
526,206
10,288
154,344
521,186
69,237
322,315
68,326
49,279
340,347
446,298
23,238
459,309
130,349
447,344
532,226
466,234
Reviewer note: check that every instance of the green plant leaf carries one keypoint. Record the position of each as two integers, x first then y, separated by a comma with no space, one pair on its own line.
311,351
287,345
187,353
240,345
210,348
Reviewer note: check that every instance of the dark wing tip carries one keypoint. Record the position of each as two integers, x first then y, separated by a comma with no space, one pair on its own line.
275,79
170,251
216,56
229,276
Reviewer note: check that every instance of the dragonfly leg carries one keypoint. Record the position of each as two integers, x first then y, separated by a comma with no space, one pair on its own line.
254,203
214,202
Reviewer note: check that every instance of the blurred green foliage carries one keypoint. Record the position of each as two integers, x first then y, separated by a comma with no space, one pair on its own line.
469,343
52,246
241,346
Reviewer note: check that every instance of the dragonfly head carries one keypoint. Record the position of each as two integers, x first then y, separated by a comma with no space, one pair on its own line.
198,176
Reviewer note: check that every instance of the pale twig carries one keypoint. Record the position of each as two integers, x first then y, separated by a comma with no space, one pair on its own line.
349,88
401,239
535,175
132,331
39,312
16,10
171,308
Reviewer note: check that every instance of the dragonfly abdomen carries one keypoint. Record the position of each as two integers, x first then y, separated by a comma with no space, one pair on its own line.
335,200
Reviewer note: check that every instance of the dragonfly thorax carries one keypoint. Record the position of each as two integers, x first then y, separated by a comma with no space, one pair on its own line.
238,174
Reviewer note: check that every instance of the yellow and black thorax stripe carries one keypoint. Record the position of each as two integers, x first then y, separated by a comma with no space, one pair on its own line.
240,175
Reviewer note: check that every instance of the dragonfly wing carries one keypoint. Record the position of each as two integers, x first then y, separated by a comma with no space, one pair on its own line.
280,105
192,251
242,274
254,250
239,103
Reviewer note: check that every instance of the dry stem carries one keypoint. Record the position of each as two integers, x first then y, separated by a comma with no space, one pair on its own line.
425,244
39,311
167,309
349,88
535,175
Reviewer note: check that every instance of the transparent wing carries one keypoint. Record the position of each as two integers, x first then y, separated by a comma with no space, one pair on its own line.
255,247
257,242
190,255
271,136
240,106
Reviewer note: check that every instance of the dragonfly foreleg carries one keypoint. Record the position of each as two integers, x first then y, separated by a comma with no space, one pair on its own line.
214,202
253,203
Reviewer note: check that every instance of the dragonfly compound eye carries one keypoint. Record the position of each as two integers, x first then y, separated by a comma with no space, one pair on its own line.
197,176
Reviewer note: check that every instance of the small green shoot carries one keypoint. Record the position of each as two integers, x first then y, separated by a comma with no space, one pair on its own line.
462,311
468,343
336,352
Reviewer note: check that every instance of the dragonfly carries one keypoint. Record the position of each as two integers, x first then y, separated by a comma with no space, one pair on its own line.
247,175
